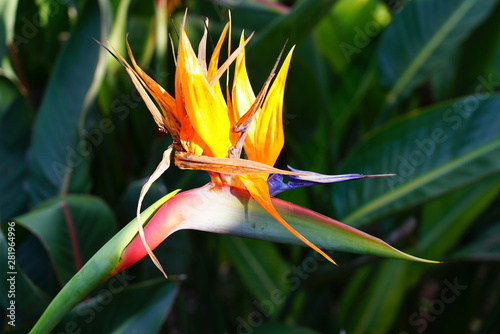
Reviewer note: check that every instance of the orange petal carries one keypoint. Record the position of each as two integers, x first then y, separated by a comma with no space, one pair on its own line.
191,141
243,95
161,96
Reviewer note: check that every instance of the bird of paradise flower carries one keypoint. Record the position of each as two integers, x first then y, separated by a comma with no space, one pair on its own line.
211,133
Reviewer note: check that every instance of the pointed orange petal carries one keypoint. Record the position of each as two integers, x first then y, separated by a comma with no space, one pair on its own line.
214,60
269,137
161,96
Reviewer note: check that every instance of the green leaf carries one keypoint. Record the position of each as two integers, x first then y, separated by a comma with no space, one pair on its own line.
97,270
15,126
433,151
259,265
307,66
486,247
59,153
375,305
111,310
349,27
422,37
348,99
224,210
444,222
72,229
484,65
294,27
7,21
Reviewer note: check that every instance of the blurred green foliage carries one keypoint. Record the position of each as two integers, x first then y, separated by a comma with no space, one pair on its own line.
406,87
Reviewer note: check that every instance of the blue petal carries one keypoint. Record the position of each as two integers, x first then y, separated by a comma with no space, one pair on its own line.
277,185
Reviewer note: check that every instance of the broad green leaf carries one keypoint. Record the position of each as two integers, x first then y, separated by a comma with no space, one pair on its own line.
15,126
72,229
433,151
420,39
260,267
111,310
446,218
59,153
97,270
254,16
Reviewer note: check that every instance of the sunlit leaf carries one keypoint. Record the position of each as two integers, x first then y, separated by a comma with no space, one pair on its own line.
421,37
433,151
